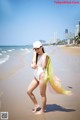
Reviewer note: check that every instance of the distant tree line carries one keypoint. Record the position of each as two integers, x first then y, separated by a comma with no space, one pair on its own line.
77,38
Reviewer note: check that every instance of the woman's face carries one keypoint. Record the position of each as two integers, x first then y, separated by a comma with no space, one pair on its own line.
39,50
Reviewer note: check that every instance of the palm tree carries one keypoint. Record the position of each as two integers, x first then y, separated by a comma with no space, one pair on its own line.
77,38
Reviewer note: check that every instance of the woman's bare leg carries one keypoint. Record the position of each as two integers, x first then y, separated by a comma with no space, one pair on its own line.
30,89
43,92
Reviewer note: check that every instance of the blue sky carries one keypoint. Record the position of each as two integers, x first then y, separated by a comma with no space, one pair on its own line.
25,21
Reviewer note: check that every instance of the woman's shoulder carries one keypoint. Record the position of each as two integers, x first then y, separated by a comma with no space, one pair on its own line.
45,55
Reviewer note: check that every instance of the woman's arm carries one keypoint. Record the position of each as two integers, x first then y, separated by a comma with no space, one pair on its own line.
33,64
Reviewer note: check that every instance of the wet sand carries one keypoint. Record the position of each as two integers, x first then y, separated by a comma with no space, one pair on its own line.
16,74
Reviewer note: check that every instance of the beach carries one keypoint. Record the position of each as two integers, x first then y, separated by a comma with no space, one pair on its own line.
16,74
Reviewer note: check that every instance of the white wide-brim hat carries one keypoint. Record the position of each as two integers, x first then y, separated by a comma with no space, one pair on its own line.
37,44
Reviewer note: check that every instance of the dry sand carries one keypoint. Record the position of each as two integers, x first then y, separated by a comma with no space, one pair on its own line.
16,76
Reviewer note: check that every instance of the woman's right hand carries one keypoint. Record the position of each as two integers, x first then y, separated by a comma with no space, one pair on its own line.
33,65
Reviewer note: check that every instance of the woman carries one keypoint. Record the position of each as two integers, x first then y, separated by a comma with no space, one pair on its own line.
43,73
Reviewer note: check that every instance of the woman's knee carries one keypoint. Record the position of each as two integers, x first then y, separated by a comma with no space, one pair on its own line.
42,94
28,92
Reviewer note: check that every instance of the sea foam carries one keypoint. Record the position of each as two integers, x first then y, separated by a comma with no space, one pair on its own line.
4,59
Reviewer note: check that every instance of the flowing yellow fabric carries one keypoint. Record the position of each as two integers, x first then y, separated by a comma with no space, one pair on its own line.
49,77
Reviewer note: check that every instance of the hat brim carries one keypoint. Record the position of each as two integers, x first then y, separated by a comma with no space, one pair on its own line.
37,47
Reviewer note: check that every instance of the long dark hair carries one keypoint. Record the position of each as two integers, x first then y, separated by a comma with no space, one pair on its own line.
37,54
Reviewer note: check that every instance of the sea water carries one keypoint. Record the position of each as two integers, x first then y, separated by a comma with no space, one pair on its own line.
7,51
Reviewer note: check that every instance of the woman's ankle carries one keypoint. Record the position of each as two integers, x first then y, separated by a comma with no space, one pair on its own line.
36,105
43,110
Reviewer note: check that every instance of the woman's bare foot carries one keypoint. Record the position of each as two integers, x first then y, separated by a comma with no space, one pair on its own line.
37,108
40,112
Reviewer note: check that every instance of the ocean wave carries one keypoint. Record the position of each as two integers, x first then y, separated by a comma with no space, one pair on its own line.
25,51
10,50
22,49
3,51
0,53
4,59
28,50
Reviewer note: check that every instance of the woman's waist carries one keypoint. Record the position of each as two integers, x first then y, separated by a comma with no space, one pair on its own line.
39,69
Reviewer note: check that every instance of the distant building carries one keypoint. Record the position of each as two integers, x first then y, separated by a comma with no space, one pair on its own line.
42,41
68,36
55,38
77,30
66,33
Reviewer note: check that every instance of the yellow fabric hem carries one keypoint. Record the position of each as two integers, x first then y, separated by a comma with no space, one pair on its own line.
49,77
